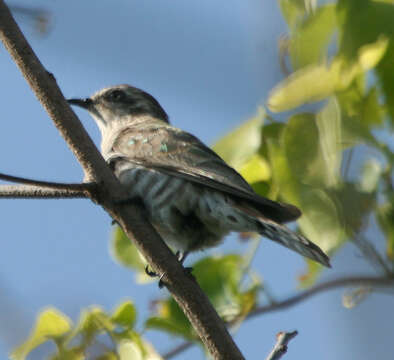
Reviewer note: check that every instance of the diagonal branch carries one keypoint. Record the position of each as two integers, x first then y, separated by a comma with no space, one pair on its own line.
131,218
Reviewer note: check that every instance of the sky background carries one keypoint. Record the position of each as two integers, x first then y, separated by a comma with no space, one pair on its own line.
210,64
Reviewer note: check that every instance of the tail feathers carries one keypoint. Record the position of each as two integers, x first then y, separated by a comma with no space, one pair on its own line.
293,241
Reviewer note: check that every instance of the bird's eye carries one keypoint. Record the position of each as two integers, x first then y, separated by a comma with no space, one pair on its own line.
117,95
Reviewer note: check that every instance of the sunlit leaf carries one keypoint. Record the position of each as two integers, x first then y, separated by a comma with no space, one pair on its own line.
256,169
128,350
328,122
369,55
293,11
242,143
50,324
302,87
125,314
370,176
94,321
362,23
308,42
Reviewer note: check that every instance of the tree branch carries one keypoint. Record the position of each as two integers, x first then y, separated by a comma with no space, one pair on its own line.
48,184
280,348
373,281
37,192
183,288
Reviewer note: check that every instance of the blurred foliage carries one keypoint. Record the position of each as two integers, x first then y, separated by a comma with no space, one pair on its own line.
109,335
333,159
336,161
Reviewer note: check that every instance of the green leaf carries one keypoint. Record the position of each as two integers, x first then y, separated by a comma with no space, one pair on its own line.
283,181
75,353
128,350
320,220
242,143
125,314
364,22
328,122
302,86
302,149
370,177
108,356
50,324
256,169
369,55
308,41
385,217
372,111
353,205
93,322
293,11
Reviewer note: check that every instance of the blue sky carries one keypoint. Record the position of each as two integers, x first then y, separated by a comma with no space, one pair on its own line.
210,64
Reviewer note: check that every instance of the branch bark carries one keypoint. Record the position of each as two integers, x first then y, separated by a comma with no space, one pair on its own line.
280,348
37,192
183,288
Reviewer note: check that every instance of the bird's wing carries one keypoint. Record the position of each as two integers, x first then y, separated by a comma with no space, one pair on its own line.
177,153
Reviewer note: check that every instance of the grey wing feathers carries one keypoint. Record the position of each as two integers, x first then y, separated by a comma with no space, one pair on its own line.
177,153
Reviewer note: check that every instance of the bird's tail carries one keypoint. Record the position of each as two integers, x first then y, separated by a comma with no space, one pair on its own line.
284,236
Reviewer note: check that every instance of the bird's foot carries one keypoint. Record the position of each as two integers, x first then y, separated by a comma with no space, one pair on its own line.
181,258
150,272
153,274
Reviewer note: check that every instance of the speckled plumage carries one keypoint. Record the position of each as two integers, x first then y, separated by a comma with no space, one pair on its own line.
192,196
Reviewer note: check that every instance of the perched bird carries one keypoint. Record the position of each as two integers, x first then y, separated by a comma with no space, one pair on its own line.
192,197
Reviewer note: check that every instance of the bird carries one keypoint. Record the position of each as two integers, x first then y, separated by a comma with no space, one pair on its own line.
191,196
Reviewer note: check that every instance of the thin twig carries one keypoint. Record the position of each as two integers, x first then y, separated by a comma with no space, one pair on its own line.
371,254
280,348
177,350
347,281
47,184
37,192
283,51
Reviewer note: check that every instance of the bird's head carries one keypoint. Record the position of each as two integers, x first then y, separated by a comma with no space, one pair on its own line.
120,102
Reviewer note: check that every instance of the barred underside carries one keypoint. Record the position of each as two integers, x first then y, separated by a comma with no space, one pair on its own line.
190,217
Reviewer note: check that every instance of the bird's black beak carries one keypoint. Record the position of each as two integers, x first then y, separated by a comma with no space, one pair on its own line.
83,103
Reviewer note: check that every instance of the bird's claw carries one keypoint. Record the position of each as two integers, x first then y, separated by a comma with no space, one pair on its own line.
181,257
